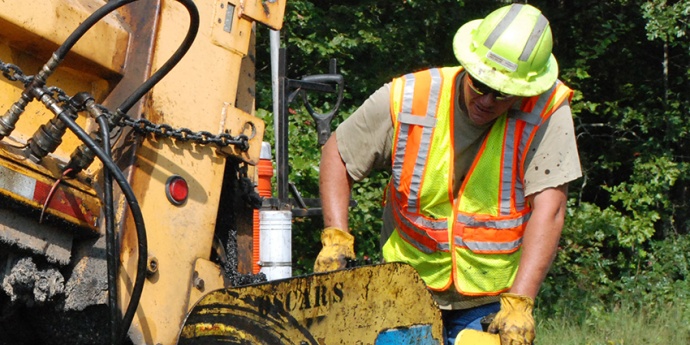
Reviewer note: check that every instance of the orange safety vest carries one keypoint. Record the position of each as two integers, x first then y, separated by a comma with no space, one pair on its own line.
481,251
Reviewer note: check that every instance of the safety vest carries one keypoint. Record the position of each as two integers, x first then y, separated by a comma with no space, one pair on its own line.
472,239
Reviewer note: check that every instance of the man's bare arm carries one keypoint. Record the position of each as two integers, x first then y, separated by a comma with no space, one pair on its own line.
540,241
335,185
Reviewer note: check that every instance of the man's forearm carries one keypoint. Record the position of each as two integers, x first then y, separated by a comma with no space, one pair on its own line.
540,241
334,185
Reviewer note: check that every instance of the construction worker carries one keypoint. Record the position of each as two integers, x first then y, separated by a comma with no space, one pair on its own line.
480,157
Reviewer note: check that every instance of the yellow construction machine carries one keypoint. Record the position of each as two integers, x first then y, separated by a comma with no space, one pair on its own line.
128,187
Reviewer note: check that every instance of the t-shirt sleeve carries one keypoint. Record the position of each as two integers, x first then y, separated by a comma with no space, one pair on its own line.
365,138
552,159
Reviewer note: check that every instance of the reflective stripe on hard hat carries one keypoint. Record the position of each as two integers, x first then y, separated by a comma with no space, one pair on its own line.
537,31
502,25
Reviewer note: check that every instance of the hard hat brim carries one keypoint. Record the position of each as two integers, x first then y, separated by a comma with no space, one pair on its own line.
536,85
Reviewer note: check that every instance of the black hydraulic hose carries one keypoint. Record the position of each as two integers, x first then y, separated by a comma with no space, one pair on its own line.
111,239
172,61
136,214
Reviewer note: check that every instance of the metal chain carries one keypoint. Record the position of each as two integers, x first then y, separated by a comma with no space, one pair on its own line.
14,73
145,126
142,126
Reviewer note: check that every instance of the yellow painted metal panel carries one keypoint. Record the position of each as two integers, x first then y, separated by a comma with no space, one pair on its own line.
269,12
40,27
206,277
176,235
230,30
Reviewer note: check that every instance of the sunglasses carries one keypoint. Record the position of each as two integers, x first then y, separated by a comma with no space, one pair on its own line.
482,89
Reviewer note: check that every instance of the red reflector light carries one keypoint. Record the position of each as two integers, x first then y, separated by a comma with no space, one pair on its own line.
176,190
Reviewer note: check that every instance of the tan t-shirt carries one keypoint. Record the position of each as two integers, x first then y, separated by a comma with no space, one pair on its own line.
365,144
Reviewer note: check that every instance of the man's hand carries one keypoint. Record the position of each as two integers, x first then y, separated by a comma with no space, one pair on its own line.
338,246
514,323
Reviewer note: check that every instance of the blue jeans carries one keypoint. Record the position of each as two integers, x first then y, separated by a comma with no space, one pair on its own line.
455,321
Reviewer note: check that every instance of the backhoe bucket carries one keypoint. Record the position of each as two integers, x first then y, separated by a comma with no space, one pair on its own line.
379,304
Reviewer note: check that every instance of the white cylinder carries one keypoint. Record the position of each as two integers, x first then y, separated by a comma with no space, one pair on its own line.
275,257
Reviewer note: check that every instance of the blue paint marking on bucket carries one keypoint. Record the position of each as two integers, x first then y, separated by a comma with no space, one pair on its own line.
417,335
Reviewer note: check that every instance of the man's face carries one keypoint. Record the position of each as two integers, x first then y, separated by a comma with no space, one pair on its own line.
483,104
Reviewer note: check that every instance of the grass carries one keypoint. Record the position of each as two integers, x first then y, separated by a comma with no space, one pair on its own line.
621,325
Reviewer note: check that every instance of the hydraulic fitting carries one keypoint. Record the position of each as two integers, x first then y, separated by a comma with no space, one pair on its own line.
46,139
81,157
49,136
9,120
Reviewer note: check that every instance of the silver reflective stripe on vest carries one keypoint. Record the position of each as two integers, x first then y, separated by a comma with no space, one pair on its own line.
410,119
503,25
415,223
534,117
419,221
493,224
406,108
519,186
507,224
488,246
425,142
439,247
508,165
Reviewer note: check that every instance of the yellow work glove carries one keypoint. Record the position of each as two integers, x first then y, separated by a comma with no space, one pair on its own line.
338,246
514,323
470,336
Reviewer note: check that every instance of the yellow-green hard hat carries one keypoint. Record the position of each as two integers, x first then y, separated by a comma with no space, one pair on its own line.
509,50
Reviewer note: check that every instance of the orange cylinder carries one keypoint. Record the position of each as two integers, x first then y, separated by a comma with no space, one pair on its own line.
265,172
265,169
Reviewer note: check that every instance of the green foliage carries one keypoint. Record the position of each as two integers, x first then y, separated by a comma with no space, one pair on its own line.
647,305
667,22
623,324
662,276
